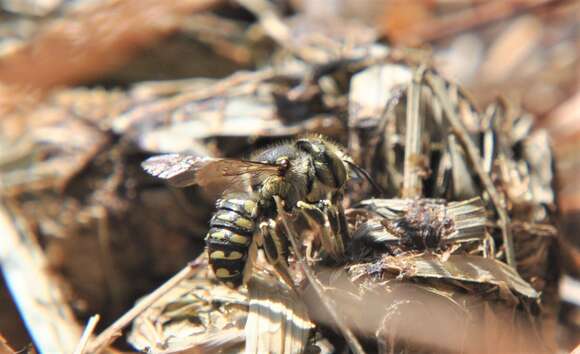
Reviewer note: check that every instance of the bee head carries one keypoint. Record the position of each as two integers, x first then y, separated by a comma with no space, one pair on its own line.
329,168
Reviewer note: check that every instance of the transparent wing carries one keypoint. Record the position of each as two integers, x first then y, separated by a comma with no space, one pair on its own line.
186,170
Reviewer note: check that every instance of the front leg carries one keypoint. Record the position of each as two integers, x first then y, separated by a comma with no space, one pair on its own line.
328,222
276,249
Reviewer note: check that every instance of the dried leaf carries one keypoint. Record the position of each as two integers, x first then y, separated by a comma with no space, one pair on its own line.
471,269
198,316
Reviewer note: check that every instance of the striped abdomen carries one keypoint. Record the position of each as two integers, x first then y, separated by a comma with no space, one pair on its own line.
230,236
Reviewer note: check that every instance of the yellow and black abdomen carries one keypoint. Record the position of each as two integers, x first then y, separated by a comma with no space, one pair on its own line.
230,236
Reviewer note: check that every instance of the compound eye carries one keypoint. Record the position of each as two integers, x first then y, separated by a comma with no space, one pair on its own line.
305,146
284,163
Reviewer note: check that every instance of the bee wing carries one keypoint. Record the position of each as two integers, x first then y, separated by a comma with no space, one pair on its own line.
178,170
187,170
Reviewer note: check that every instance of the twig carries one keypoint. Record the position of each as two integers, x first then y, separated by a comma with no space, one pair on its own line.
114,330
486,13
124,121
269,19
477,164
42,306
88,332
275,27
327,302
412,183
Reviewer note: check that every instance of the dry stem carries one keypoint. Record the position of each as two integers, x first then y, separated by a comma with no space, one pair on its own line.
88,332
477,164
113,331
412,183
42,306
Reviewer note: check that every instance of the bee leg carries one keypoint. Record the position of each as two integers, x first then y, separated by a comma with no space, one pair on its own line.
275,248
318,222
252,256
309,253
329,220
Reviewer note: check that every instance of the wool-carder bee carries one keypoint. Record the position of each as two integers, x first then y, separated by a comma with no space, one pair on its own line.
307,170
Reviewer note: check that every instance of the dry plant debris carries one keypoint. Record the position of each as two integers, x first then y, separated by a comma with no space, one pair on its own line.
427,249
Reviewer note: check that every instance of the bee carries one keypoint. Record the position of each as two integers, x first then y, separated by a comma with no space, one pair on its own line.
306,170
